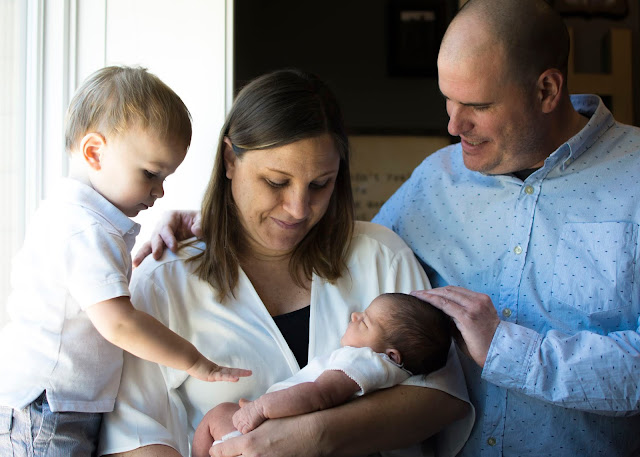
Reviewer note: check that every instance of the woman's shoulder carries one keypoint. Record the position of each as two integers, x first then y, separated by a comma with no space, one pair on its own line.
171,261
375,236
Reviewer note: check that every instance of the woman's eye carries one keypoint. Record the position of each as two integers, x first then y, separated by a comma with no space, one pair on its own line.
319,185
277,185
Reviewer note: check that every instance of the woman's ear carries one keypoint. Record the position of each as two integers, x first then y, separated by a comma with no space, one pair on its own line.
549,89
394,355
229,158
91,147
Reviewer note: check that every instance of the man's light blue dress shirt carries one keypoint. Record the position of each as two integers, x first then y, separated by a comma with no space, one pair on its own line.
559,255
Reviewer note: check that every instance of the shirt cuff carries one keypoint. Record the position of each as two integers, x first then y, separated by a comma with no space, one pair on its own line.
509,357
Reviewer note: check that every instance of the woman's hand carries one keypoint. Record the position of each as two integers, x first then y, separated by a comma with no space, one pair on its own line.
387,419
287,437
172,227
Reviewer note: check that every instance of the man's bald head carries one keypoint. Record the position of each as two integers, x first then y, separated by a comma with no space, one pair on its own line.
528,34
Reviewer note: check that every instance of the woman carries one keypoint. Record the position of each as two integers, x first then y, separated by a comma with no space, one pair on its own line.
280,268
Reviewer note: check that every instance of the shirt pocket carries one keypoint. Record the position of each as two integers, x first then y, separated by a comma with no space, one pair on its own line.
595,266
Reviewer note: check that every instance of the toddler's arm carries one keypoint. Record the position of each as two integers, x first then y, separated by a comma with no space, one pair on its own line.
332,388
144,336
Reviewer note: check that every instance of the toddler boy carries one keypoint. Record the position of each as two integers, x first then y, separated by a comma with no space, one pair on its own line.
70,312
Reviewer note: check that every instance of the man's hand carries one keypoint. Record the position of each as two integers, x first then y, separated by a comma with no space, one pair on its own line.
473,313
172,227
248,417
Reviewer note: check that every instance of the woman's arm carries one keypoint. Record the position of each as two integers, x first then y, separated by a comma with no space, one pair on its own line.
388,419
156,450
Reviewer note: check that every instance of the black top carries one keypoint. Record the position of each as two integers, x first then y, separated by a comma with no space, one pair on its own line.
294,327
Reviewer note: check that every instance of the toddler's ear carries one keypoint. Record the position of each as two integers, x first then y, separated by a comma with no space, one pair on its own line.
394,355
91,147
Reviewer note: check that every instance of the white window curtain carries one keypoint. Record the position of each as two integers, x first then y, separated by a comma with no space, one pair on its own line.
13,55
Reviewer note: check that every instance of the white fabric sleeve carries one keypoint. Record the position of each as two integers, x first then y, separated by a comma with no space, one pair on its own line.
555,368
370,370
96,264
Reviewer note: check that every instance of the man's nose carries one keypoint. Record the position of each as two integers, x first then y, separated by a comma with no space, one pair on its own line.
459,121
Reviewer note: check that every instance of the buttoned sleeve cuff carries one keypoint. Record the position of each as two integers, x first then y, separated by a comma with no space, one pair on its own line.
510,355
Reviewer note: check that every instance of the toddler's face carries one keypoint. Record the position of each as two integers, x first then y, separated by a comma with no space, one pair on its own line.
133,167
366,328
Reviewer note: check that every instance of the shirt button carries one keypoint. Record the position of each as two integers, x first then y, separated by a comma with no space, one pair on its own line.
506,312
528,190
517,250
491,441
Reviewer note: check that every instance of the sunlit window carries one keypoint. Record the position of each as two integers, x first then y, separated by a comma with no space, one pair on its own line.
13,23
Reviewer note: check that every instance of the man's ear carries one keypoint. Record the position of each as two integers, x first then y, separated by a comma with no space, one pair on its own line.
91,147
229,158
549,89
394,355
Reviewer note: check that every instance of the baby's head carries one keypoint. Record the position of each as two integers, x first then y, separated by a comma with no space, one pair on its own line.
126,131
410,331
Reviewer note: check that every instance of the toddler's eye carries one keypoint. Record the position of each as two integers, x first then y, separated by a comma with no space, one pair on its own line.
149,175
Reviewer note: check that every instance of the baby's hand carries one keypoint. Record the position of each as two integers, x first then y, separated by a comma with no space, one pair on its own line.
248,417
206,370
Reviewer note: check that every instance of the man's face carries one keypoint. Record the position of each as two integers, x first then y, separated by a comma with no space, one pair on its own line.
494,117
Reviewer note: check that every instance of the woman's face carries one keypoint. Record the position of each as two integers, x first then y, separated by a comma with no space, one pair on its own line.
282,192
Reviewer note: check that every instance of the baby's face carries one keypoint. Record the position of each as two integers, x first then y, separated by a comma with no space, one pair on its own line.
133,167
366,328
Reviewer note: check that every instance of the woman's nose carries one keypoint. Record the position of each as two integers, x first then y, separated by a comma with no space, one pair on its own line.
297,203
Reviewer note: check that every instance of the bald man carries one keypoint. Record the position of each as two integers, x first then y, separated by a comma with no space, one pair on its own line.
529,229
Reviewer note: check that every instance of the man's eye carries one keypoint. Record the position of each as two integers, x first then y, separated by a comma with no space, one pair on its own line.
481,107
277,185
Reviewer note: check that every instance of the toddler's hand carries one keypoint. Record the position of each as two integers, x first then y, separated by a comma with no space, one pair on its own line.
206,370
248,417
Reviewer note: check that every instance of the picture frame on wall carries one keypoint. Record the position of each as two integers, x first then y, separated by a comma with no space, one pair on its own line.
589,8
415,29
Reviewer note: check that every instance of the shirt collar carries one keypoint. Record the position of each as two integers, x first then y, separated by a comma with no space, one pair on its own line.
73,191
600,120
